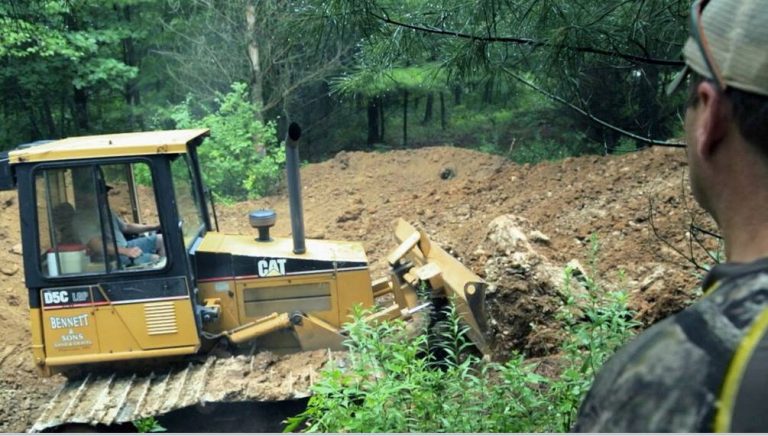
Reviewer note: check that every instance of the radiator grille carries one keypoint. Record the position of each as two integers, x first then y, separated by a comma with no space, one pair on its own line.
160,318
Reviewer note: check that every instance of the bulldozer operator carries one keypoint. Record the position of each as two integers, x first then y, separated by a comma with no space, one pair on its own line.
704,369
147,247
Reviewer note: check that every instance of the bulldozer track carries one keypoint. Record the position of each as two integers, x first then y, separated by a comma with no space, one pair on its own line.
114,398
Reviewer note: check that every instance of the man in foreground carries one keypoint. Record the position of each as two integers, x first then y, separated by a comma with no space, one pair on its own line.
706,368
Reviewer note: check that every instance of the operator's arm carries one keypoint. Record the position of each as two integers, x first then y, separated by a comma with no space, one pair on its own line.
95,246
134,228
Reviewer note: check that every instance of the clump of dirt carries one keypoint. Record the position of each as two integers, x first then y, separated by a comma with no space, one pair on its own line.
527,289
457,196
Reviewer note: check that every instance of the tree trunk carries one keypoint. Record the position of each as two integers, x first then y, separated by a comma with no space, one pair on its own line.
428,109
325,100
457,95
488,92
651,109
50,125
34,129
131,91
381,119
405,118
443,119
64,125
373,121
80,110
257,80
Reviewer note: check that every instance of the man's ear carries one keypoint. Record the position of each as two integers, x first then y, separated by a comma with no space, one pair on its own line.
712,122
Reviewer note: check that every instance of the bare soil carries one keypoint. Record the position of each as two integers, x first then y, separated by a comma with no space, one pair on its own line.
454,194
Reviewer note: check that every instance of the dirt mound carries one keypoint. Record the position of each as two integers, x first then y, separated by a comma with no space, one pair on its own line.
454,194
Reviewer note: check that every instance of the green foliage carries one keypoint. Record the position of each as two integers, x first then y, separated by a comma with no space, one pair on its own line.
611,57
148,425
370,82
230,158
73,67
60,58
543,151
597,322
390,383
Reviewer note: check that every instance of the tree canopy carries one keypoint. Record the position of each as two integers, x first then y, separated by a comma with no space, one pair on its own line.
354,72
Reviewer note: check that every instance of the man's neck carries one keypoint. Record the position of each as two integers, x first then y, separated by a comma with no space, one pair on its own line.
746,238
740,183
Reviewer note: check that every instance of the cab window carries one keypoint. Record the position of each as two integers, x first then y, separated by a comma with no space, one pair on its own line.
97,219
187,201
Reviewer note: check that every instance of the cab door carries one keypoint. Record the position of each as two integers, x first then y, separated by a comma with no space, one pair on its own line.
112,275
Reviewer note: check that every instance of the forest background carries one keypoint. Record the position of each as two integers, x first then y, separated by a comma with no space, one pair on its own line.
528,79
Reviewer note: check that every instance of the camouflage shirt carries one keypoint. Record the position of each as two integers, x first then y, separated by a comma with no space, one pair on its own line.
668,379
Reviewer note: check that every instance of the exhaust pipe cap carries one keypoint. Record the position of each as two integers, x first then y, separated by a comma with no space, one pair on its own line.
294,131
262,219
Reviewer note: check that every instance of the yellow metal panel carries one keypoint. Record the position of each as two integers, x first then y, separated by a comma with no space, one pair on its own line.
282,291
160,318
36,328
319,249
146,326
287,305
127,355
70,332
113,145
353,288
330,316
314,334
212,242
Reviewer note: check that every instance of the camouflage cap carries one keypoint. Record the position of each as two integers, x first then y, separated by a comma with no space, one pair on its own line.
736,33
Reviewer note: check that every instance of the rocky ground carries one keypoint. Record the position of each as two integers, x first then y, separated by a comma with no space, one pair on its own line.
517,226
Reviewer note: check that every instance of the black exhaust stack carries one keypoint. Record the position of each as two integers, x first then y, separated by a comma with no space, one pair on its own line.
294,187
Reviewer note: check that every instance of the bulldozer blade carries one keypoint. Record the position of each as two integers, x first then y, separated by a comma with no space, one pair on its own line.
435,265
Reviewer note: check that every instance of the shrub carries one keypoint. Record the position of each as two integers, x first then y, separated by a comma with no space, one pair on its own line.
390,383
230,163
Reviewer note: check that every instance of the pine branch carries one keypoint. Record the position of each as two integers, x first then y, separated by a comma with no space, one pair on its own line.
649,141
529,42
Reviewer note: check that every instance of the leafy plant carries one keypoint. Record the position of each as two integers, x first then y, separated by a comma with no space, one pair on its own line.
390,383
597,322
242,158
149,424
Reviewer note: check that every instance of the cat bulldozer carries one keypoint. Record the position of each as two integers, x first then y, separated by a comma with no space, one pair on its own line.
146,307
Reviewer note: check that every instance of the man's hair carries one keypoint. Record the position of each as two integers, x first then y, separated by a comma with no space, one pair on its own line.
750,111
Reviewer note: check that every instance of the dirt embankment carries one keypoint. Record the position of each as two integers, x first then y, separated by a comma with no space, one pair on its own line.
455,194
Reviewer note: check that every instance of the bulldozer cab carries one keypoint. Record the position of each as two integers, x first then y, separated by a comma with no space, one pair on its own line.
107,224
83,213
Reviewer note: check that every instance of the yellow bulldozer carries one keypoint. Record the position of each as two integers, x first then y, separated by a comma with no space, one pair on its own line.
133,289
